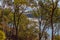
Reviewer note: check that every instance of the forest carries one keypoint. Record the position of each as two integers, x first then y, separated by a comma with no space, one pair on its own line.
29,19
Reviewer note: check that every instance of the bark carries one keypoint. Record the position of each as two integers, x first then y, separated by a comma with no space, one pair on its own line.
15,24
41,31
52,24
52,12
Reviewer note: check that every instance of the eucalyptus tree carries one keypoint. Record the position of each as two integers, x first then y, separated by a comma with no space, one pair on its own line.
39,13
49,6
45,10
49,9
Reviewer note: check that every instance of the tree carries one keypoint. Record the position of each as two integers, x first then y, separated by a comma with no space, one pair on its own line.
15,18
52,6
45,11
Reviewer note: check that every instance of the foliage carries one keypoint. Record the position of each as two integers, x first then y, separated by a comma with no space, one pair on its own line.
18,23
2,35
16,2
57,37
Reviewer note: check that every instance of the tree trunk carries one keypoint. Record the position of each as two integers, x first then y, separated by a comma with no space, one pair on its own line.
15,24
39,29
52,23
